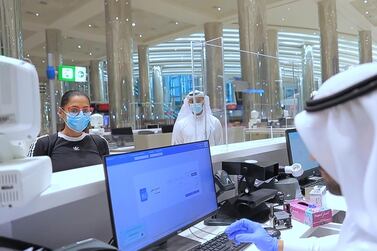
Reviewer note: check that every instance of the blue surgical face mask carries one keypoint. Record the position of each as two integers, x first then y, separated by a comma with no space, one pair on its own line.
77,123
196,108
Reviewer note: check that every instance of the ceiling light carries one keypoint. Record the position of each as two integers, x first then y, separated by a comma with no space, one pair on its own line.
37,14
90,26
365,1
176,23
79,46
133,24
43,61
367,12
140,35
90,54
126,19
283,19
116,18
28,55
218,8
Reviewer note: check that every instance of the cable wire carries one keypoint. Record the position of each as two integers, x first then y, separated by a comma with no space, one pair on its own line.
207,232
196,235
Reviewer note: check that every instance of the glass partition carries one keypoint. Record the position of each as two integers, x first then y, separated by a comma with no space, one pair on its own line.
258,102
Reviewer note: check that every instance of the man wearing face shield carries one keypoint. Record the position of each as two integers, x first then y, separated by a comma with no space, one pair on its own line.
195,121
339,127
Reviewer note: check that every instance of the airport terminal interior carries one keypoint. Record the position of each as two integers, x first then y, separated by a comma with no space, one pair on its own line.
155,124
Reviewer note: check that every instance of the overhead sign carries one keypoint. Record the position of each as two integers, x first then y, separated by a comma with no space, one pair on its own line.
69,73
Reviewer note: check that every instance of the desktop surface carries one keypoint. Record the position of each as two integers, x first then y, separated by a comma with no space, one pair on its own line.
163,191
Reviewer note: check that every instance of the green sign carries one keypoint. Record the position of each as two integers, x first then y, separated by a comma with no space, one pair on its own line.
70,73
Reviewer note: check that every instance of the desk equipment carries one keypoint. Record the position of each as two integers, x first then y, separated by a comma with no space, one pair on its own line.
251,200
298,153
21,179
155,194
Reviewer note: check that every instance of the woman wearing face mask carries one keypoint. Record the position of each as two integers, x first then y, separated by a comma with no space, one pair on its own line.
195,121
72,147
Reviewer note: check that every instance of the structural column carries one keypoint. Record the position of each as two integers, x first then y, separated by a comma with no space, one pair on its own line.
365,47
97,90
145,95
54,58
252,22
119,43
273,79
329,38
158,94
214,65
11,43
308,84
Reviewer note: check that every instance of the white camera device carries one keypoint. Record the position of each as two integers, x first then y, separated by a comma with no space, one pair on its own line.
21,179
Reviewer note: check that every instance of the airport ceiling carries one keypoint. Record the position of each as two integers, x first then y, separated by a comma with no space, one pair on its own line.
83,21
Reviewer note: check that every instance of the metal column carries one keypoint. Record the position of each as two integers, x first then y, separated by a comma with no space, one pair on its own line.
97,92
119,43
11,42
308,84
365,47
158,94
329,38
54,58
252,23
145,94
214,65
273,80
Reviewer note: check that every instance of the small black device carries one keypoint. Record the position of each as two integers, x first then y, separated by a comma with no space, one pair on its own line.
220,242
167,128
250,202
224,183
152,126
122,131
273,232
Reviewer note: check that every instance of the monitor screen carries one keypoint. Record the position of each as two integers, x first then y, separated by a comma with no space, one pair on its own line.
298,153
155,193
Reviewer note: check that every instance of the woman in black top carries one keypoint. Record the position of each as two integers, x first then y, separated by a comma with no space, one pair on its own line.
72,147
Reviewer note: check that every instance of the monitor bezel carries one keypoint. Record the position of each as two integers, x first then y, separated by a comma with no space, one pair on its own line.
159,241
307,173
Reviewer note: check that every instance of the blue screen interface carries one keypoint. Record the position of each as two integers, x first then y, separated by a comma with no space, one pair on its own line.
157,192
300,153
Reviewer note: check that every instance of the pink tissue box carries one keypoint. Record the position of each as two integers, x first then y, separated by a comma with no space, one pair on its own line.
310,215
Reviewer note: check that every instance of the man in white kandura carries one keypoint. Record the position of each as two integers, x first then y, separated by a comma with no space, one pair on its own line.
339,127
195,121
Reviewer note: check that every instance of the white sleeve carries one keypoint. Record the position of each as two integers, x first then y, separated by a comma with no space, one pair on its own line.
218,133
327,243
177,137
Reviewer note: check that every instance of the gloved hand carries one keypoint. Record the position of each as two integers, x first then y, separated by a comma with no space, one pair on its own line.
246,231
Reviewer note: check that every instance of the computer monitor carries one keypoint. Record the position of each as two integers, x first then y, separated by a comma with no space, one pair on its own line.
156,193
298,153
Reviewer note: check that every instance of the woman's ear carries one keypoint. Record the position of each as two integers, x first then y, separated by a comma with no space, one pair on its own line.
61,113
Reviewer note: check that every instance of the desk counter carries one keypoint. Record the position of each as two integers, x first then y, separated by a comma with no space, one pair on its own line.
74,185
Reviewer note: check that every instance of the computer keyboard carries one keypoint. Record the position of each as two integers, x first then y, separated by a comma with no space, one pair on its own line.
220,243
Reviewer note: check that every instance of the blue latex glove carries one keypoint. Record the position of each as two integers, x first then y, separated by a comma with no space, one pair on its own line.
246,231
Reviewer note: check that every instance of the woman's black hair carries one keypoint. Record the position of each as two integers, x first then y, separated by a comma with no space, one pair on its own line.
69,94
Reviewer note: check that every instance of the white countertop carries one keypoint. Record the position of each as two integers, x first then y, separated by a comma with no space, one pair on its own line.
77,184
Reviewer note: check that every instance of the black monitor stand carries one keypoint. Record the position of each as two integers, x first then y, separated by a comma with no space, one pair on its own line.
175,243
